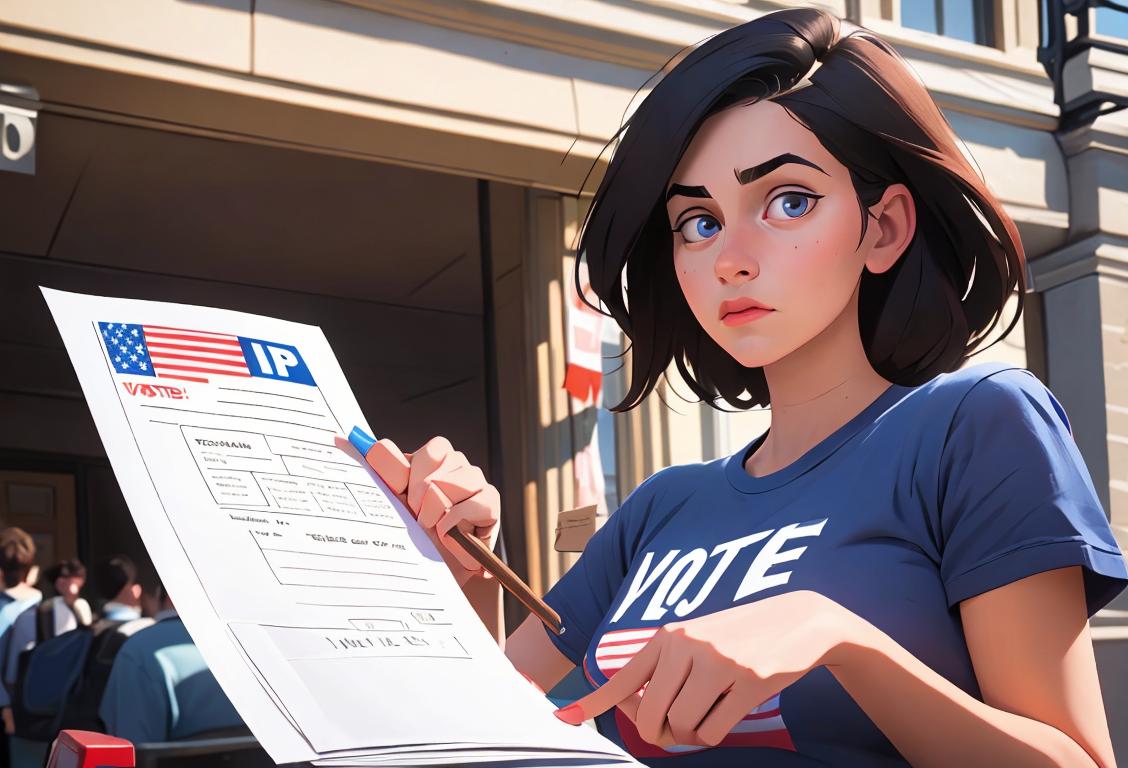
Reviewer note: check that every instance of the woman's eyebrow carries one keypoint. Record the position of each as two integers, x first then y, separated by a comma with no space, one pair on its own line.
684,191
748,175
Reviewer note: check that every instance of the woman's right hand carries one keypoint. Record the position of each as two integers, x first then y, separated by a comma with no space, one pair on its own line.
442,490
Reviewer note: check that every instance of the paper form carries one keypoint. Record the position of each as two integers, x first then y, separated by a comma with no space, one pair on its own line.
323,609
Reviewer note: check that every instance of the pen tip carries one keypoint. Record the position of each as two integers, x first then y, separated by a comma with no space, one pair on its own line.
361,440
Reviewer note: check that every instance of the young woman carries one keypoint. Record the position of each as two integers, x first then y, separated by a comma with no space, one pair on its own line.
901,568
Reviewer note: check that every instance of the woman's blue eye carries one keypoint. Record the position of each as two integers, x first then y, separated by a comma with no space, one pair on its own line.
699,228
792,205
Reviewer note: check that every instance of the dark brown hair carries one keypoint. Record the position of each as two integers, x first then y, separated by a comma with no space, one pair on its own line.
114,575
17,555
66,569
923,317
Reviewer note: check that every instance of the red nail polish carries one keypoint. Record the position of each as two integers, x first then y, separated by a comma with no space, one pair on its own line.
571,714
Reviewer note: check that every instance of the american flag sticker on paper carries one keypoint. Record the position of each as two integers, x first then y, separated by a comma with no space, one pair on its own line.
198,356
763,726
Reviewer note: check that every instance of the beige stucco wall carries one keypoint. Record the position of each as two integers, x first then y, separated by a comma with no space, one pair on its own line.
518,90
1114,332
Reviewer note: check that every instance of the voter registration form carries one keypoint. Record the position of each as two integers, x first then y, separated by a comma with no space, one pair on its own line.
324,611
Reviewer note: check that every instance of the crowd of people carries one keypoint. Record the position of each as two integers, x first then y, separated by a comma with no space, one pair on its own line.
127,667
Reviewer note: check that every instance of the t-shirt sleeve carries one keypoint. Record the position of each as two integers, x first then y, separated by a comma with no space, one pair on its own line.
1016,498
583,595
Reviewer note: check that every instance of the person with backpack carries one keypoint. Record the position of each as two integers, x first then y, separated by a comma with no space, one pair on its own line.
17,616
160,687
62,678
67,610
115,581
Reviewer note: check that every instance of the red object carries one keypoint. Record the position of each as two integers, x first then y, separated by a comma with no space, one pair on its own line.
582,383
571,714
86,749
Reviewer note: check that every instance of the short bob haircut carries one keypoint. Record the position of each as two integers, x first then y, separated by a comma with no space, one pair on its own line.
923,317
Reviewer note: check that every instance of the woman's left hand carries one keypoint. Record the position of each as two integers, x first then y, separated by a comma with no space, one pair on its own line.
696,679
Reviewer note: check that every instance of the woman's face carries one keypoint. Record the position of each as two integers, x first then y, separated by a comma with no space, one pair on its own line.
766,226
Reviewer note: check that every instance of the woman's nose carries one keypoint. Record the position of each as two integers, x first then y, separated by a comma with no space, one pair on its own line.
736,263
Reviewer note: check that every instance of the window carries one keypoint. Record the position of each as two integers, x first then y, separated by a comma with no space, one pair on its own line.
1111,22
970,20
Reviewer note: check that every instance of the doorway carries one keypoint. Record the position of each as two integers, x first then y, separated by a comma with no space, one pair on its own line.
43,504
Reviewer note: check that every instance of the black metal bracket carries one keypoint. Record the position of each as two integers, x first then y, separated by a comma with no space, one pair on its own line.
1057,49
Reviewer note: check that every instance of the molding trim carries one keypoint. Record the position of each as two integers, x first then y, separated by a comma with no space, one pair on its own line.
121,85
1109,624
1100,254
669,26
537,23
518,22
80,81
1106,135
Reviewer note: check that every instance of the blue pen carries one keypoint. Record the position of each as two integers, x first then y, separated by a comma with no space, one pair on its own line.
473,546
361,440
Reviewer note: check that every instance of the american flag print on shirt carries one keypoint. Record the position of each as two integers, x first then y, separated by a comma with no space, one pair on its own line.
761,727
197,356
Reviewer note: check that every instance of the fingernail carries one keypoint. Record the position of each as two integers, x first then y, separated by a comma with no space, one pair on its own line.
361,440
571,714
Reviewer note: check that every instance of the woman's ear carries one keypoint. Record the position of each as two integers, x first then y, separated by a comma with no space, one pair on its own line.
894,216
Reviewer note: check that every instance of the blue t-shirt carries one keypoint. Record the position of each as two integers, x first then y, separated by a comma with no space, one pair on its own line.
929,496
160,688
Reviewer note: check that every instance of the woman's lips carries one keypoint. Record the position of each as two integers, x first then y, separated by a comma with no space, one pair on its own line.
745,316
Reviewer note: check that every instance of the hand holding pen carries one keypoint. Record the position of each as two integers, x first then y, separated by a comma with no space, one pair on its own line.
442,490
452,501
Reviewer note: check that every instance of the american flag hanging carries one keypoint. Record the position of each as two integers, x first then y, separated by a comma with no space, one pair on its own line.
763,726
173,353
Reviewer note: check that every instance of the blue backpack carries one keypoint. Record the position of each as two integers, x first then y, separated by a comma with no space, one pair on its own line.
62,679
50,674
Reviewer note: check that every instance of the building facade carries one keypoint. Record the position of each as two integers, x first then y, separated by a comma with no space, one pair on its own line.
410,176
